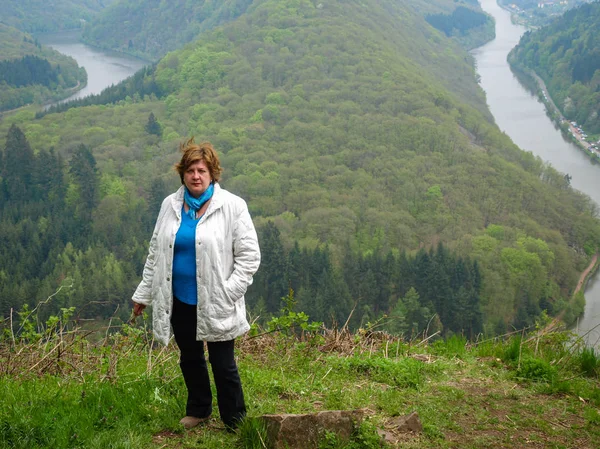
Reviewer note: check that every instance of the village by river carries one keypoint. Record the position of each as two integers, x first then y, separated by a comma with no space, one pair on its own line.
578,134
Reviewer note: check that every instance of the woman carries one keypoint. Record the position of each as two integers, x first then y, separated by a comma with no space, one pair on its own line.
203,254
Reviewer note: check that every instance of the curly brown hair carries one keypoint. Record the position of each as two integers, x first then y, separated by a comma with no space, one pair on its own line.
194,152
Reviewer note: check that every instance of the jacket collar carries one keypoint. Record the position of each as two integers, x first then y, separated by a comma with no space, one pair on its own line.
215,202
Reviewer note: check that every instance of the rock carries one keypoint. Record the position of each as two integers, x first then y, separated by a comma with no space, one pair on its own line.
303,431
404,424
387,437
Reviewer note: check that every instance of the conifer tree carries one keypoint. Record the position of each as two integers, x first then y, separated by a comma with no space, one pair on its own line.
84,172
270,278
152,126
18,166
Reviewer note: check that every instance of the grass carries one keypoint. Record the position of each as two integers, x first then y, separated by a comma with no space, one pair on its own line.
61,391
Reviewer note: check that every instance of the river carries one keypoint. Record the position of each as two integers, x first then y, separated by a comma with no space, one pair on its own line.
104,68
522,116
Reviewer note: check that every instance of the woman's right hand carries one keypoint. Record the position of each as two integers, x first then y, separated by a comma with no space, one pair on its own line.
138,308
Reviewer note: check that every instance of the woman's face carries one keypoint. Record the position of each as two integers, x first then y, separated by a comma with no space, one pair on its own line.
197,178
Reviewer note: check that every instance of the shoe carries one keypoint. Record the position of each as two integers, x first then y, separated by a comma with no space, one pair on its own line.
189,422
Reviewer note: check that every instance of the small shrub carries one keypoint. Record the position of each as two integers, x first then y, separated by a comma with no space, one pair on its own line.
537,370
329,440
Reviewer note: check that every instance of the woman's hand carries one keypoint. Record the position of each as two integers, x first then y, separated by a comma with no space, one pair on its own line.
138,308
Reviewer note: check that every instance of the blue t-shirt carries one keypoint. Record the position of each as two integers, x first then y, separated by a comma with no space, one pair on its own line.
184,261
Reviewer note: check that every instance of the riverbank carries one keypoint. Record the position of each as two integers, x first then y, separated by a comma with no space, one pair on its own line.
536,85
63,97
587,273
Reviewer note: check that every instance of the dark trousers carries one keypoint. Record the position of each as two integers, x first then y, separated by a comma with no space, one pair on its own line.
230,397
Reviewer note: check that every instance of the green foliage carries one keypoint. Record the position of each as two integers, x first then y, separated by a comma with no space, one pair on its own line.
455,346
290,321
459,22
536,369
252,433
512,352
365,436
27,71
153,126
589,362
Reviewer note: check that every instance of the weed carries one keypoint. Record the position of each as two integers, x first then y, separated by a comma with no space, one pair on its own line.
592,416
512,352
365,437
589,362
455,346
252,434
329,440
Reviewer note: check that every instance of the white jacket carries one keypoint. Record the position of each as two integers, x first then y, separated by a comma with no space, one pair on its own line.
227,256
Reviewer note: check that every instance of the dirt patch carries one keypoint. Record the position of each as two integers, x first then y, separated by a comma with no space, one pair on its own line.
503,416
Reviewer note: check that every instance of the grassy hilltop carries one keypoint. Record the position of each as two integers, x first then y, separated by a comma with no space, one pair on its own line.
527,391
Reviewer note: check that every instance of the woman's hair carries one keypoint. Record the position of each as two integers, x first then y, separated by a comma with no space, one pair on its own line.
194,152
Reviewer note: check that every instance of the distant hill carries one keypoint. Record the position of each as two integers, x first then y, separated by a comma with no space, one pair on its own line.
566,55
360,139
151,28
39,16
470,26
31,73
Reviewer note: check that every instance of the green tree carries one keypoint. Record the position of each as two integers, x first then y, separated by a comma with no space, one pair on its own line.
84,172
270,280
18,165
153,126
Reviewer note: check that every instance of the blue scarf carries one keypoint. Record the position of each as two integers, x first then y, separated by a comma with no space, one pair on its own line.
195,204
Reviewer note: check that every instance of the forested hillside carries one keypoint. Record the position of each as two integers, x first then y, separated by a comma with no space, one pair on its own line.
566,55
30,73
39,16
469,26
361,141
151,28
